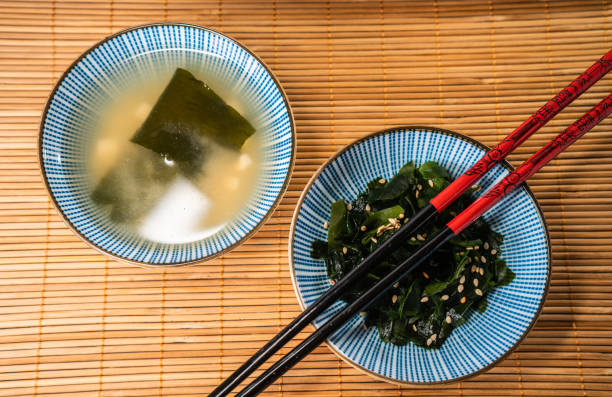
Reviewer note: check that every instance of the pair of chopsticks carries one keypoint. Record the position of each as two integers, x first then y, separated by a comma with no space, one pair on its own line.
435,206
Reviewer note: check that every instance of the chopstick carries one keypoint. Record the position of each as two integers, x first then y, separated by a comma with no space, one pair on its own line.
435,206
452,229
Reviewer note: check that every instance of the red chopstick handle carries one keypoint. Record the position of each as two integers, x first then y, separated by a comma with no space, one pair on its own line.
529,167
524,131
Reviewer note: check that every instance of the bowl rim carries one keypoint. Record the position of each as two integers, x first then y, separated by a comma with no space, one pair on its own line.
442,131
239,242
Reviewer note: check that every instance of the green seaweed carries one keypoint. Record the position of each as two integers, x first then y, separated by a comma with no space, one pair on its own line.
402,314
187,113
133,185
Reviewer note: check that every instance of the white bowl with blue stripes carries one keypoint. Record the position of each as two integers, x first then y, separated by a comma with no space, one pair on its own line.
485,338
138,53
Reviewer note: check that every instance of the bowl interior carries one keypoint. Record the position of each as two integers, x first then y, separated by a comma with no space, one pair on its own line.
486,337
136,55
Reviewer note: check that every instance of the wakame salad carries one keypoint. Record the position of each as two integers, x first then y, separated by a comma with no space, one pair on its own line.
426,305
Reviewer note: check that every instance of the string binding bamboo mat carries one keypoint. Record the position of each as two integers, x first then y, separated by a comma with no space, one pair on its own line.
74,323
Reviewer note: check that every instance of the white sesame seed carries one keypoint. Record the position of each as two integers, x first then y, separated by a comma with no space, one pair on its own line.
475,282
448,319
396,285
493,251
349,206
485,245
416,194
426,275
368,208
430,182
481,271
460,288
344,250
414,328
469,248
401,216
420,187
434,337
469,260
394,298
363,228
463,300
476,247
373,240
363,314
382,181
424,299
412,239
365,326
474,268
420,238
429,342
478,292
406,220
444,298
332,282
483,259
325,225
476,187
462,280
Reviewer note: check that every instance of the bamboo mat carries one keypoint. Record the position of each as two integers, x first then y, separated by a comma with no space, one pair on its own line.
74,323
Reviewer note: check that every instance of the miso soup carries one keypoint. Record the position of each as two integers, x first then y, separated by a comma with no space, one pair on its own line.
173,161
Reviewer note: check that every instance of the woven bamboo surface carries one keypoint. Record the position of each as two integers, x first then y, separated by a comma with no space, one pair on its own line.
74,323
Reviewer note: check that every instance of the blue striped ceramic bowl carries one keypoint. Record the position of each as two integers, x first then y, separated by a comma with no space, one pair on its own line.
485,338
137,54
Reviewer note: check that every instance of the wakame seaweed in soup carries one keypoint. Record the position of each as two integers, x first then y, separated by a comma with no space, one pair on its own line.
427,304
185,113
171,160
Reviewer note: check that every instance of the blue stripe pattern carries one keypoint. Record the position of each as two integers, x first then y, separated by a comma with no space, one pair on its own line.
136,55
485,337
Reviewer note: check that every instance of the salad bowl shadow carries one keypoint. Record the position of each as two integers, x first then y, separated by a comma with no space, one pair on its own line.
485,338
